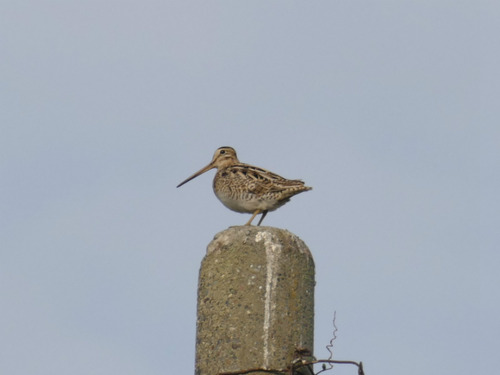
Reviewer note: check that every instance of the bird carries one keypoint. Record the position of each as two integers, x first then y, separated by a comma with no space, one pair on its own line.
248,189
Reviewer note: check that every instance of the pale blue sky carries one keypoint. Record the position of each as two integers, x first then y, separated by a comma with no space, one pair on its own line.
379,105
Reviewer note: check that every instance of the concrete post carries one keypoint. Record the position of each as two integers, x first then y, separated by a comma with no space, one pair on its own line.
255,301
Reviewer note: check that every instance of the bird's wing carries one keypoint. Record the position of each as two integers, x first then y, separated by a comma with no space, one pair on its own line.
261,181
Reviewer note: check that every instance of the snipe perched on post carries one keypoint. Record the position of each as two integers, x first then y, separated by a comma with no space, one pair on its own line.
245,188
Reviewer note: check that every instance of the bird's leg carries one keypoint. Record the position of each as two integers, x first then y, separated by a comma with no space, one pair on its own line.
253,217
262,217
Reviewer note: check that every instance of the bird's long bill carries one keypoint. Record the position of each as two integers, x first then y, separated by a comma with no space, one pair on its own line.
201,171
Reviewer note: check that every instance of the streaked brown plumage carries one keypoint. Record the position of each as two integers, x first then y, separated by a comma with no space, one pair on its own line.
245,188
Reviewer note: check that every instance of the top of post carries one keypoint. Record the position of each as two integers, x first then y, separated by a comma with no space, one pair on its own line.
270,237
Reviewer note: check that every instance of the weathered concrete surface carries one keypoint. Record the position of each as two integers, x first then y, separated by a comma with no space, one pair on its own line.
255,300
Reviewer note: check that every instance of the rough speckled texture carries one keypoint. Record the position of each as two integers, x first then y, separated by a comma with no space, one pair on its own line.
255,300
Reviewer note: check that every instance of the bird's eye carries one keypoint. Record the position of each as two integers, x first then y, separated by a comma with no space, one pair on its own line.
222,152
